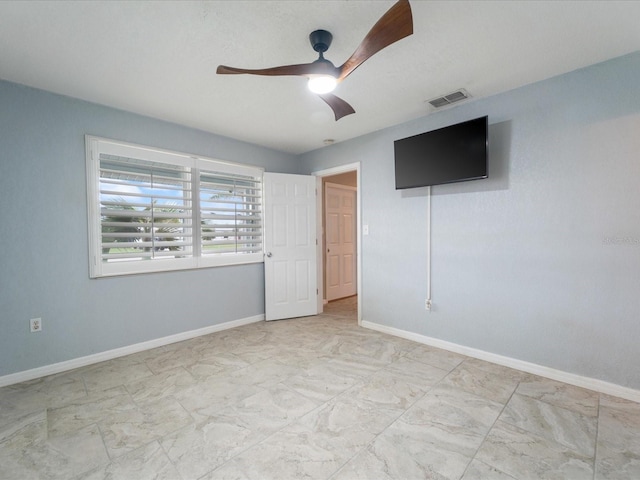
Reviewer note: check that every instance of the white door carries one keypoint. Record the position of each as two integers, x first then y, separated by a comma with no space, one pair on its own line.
290,267
340,238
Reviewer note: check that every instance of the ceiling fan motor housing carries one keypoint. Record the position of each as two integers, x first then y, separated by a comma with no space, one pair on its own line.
320,40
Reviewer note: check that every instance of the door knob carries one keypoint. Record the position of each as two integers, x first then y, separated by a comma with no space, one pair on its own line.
268,254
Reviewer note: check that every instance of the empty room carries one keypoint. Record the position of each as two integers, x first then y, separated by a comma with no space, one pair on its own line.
319,239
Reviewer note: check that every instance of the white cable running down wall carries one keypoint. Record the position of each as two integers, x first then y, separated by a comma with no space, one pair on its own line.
429,248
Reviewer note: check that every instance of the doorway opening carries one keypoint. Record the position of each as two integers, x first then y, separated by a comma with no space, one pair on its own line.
343,307
338,233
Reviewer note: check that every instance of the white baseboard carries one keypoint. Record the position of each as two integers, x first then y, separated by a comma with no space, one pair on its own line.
570,378
121,352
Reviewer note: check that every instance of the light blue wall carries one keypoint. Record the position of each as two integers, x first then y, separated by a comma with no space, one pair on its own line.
43,232
540,262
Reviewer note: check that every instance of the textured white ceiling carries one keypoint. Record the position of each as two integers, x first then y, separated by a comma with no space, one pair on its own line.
159,58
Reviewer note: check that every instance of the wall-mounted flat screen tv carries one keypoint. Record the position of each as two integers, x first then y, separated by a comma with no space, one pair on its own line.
451,154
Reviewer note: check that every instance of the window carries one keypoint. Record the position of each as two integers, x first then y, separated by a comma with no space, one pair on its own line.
154,210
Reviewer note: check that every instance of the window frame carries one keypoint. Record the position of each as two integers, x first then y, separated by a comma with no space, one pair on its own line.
96,146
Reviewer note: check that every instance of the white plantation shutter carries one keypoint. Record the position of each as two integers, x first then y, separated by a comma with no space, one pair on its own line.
230,213
152,210
145,209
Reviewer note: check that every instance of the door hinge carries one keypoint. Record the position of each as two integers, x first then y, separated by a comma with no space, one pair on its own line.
317,292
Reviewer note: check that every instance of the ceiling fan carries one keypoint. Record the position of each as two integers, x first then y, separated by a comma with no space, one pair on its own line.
323,76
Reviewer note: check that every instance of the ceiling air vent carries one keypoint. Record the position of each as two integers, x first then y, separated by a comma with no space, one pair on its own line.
450,98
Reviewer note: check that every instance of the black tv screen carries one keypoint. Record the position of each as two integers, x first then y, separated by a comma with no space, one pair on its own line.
451,154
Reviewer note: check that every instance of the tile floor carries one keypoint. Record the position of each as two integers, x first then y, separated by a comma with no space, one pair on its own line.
311,398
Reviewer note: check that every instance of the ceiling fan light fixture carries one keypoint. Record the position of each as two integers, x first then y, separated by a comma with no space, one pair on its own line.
322,84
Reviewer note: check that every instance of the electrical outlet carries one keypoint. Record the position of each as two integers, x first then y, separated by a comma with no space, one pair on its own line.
427,304
35,325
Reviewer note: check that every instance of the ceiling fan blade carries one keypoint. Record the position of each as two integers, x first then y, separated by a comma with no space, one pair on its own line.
304,69
340,107
394,25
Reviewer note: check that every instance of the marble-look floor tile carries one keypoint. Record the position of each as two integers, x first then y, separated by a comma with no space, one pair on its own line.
526,456
356,364
304,358
128,430
363,348
617,464
333,343
569,428
223,362
89,410
144,355
251,334
172,358
255,353
146,463
618,447
481,471
455,407
26,451
22,432
497,383
65,385
460,431
432,439
619,424
412,452
264,374
322,382
506,372
379,349
115,372
198,449
620,404
222,341
560,394
387,390
39,394
345,413
437,357
343,425
209,397
156,387
417,373
11,410
286,455
269,410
